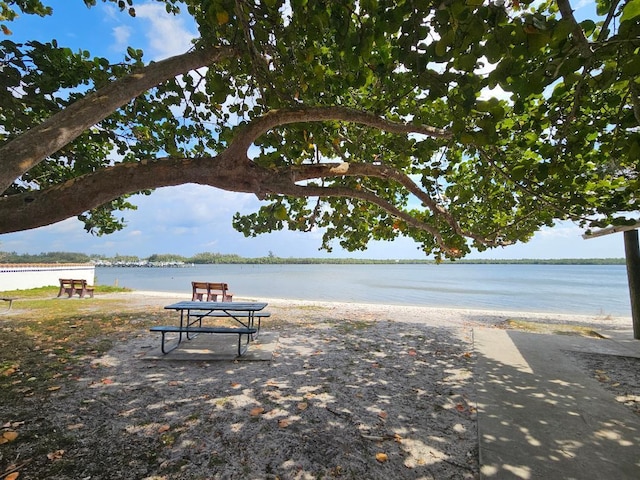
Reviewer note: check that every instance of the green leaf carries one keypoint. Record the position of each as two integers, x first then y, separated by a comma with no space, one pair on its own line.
280,212
631,10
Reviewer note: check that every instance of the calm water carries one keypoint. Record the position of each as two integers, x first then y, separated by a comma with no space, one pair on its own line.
585,289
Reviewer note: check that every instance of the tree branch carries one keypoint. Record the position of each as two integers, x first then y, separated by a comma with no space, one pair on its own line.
276,118
31,147
307,172
44,207
579,39
38,208
370,197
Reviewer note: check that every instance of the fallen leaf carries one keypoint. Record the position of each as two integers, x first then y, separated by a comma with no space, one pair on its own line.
283,423
10,436
107,381
57,455
12,476
382,414
460,407
412,352
303,405
54,388
256,411
381,457
235,384
163,428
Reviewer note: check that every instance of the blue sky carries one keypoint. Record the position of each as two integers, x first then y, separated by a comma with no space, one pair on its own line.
190,219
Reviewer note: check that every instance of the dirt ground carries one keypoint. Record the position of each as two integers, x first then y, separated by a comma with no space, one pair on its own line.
352,391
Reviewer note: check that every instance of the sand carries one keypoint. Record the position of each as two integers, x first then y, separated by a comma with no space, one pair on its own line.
357,391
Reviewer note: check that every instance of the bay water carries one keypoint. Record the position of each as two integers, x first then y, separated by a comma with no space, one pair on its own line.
581,289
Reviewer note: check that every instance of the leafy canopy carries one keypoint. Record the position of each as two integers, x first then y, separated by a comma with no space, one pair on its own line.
369,119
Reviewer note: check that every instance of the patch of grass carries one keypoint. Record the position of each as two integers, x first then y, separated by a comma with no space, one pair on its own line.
46,340
52,291
552,328
350,326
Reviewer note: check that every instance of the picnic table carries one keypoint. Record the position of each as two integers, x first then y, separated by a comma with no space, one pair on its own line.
246,314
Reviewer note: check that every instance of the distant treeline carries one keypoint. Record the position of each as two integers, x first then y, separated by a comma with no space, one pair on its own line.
213,258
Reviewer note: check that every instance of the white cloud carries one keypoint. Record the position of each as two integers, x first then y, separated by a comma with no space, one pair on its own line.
564,229
122,35
168,34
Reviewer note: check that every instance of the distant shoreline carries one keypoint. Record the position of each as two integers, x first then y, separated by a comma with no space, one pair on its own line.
209,258
353,261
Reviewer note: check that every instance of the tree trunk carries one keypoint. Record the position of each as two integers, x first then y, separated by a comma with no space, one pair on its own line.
632,253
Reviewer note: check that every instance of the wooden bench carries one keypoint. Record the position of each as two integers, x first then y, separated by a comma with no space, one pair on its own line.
242,348
72,286
209,291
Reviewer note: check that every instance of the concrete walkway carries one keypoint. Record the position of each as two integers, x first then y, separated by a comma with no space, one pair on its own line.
541,416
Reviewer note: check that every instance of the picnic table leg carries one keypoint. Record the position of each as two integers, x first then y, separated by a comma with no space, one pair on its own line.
197,323
242,349
10,300
252,317
181,323
162,346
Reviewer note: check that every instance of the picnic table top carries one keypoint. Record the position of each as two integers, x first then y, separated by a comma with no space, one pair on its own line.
227,306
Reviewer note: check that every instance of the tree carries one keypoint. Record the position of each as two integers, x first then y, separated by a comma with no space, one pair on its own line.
368,119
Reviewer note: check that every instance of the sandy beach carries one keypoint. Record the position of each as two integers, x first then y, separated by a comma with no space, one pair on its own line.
366,391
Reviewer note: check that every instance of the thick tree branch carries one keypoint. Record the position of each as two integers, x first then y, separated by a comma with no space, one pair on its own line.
231,170
44,207
39,208
277,118
30,148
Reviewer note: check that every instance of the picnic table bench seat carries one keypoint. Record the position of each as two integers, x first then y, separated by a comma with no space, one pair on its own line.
71,286
240,331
